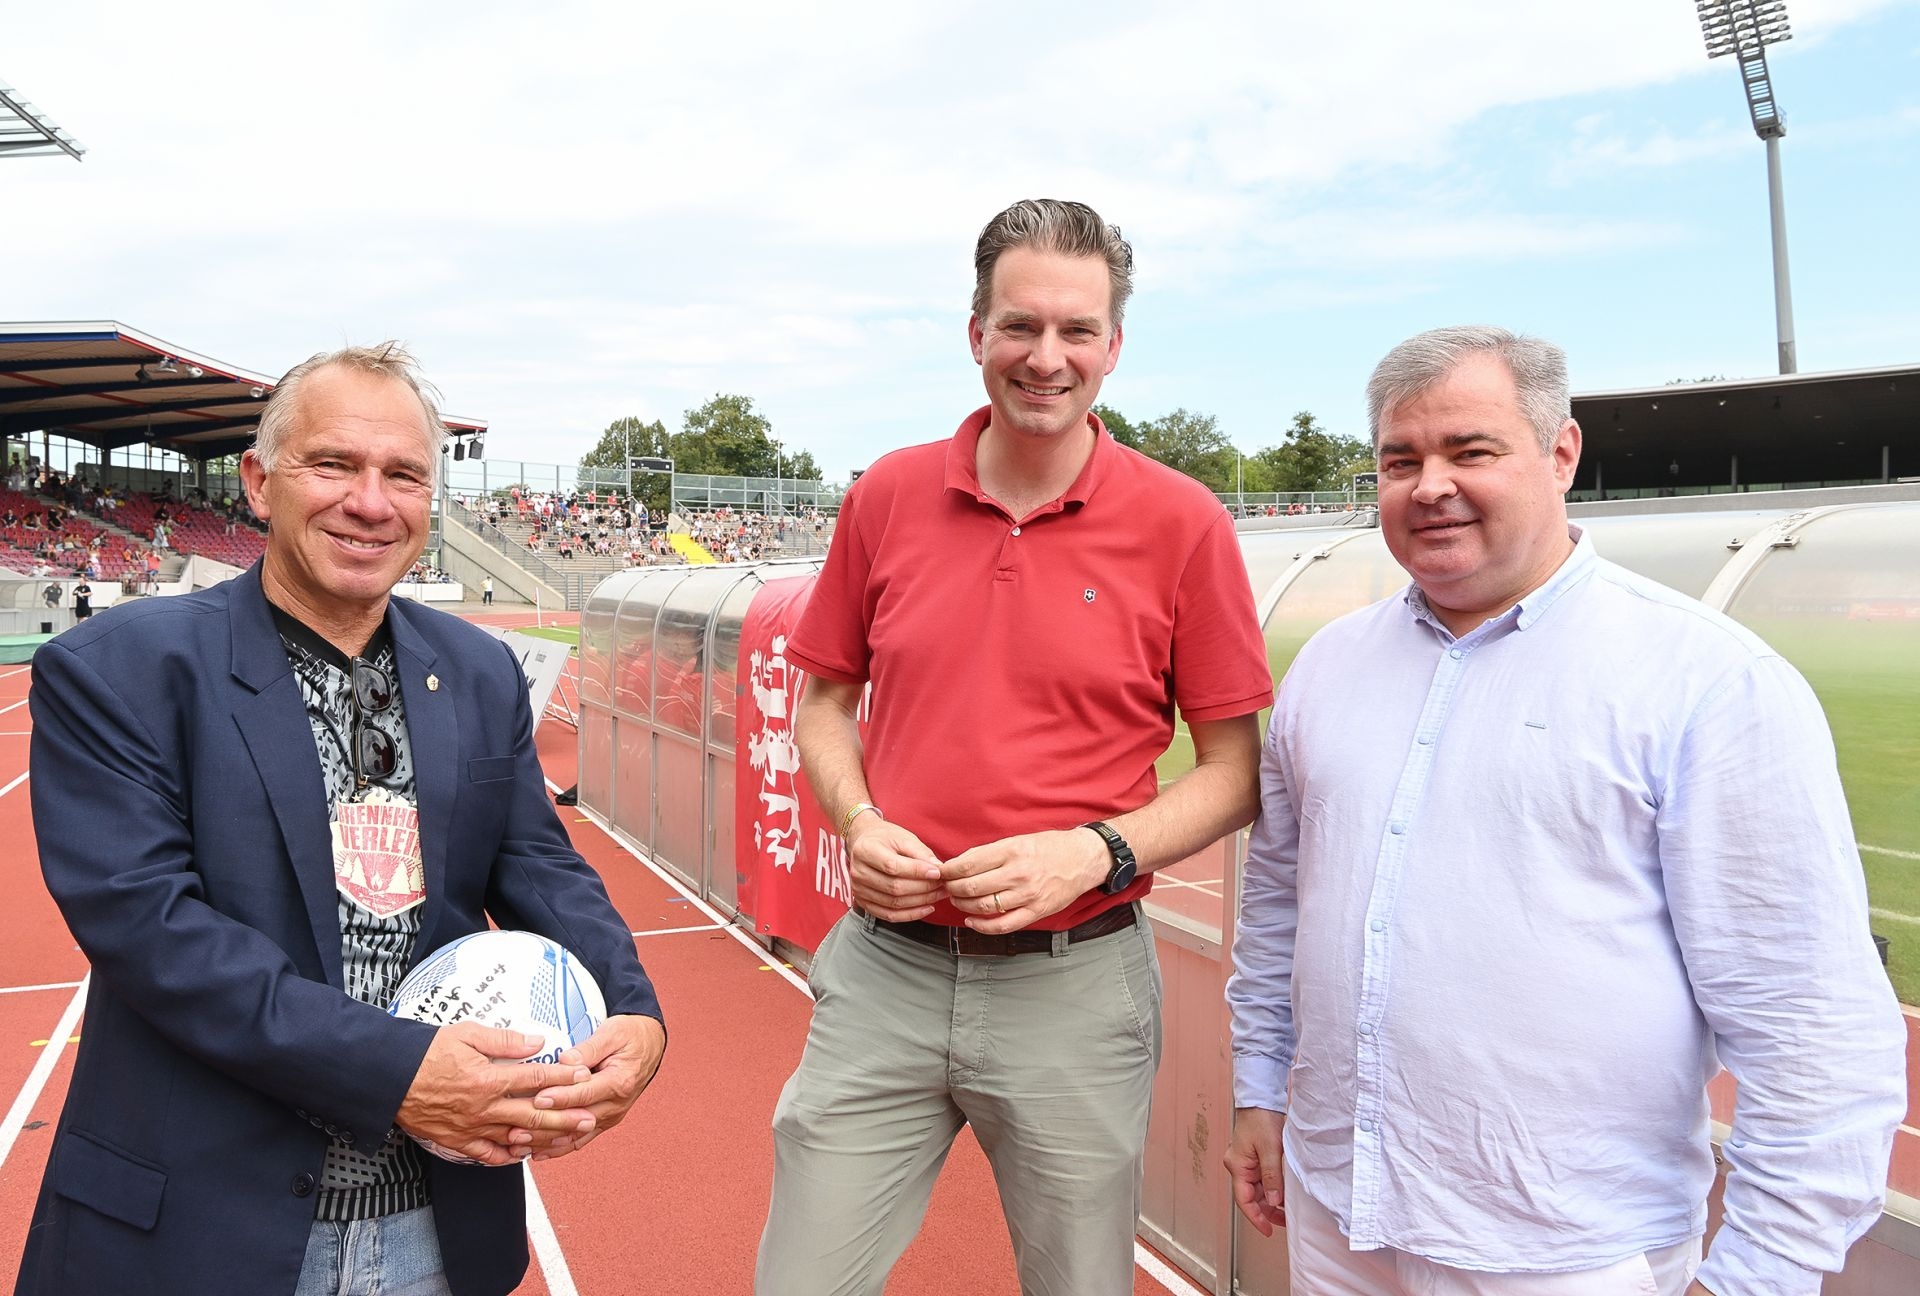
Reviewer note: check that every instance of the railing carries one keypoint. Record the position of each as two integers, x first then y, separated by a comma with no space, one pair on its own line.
686,490
573,587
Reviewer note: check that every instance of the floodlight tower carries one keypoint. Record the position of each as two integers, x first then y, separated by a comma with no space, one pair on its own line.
1744,28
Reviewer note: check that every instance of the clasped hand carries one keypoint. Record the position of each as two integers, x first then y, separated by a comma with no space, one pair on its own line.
466,1099
1002,886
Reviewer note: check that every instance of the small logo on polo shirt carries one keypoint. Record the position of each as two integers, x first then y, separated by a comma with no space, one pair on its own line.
1087,595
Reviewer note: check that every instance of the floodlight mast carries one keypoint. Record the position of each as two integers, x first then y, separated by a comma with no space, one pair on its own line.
1744,29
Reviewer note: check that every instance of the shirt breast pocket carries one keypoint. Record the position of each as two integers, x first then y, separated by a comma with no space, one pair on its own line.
490,769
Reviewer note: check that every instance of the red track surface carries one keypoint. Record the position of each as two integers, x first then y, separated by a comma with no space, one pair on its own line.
672,1201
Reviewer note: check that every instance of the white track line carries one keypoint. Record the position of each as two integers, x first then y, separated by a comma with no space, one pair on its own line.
1888,850
15,671
11,786
1163,1273
759,951
1892,915
679,931
52,985
37,1078
546,1243
13,706
1154,1267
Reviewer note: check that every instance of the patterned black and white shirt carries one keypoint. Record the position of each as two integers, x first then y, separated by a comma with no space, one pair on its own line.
375,946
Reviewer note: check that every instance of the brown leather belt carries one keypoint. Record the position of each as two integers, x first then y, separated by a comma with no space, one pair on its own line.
968,943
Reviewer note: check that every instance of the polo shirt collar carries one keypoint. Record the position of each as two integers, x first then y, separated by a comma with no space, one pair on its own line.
963,459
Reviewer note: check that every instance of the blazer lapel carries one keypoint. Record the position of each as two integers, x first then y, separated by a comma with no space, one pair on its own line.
433,732
273,724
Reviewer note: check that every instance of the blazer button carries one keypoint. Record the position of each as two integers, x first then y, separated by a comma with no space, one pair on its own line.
302,1184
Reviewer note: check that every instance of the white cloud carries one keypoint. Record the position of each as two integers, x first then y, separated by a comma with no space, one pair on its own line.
592,208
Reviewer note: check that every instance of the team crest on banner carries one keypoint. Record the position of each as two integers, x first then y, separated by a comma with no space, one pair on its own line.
791,864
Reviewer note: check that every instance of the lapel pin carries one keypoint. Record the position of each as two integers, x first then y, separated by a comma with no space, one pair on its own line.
433,683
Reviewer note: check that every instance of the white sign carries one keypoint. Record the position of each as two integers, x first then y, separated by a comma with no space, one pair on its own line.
543,661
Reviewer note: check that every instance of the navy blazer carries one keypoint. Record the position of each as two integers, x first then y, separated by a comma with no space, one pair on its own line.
183,831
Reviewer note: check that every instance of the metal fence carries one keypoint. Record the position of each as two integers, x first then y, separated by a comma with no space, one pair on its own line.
687,491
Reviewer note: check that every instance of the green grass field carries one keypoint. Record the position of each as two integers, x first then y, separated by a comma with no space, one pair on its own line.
559,634
1867,676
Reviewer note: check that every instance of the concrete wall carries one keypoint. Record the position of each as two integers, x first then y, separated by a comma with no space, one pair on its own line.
469,559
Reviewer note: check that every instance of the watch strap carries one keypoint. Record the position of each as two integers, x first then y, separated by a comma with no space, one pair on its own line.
1125,866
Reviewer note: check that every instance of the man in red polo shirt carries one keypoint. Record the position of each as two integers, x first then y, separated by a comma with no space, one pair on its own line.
1030,601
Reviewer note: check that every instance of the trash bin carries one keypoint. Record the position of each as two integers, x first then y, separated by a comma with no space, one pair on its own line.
1880,943
46,627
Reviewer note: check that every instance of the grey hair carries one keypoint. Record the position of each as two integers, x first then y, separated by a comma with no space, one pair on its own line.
1053,225
386,360
1539,370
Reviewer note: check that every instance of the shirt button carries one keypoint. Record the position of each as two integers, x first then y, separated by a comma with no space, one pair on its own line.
1369,1126
1424,739
1016,530
1366,1028
1378,924
1396,827
1456,654
302,1184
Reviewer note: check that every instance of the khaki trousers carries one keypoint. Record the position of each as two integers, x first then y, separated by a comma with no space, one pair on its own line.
1050,1057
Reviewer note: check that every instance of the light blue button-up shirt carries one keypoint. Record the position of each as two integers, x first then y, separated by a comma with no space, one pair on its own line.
1512,900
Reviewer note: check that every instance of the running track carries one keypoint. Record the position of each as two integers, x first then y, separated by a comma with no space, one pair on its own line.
671,1202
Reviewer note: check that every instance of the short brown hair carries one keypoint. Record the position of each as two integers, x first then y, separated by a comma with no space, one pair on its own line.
1053,225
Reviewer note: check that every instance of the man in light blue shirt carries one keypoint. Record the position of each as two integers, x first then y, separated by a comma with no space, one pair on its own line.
1543,845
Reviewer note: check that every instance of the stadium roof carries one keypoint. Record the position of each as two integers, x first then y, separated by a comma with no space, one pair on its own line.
1845,426
25,131
111,386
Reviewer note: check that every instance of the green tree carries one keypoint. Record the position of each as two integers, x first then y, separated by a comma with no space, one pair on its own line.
1190,443
726,437
798,465
1309,459
624,437
1116,423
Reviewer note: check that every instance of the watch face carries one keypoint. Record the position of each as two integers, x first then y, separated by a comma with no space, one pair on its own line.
1121,877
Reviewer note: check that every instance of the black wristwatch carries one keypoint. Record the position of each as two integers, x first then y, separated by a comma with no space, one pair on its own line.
1125,866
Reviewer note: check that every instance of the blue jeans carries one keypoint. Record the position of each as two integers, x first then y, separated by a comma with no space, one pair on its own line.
394,1255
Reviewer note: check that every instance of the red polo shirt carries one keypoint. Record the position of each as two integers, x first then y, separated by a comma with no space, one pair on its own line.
1025,671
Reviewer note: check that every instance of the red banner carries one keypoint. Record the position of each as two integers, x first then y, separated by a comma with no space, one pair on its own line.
792,865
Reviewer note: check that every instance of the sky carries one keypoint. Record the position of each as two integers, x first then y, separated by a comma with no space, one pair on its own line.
581,210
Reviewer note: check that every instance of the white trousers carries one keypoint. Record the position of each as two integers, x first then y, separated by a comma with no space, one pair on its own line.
1322,1264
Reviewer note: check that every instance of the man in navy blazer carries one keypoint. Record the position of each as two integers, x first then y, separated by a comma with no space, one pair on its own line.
204,768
